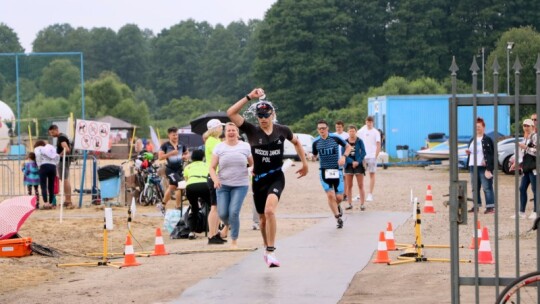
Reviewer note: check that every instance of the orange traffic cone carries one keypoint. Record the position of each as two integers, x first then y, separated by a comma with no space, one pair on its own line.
159,248
476,243
428,205
389,235
382,253
129,255
484,253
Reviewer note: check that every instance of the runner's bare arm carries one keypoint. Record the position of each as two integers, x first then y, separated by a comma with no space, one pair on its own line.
300,151
234,111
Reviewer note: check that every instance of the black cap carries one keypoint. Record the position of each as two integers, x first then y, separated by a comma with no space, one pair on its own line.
264,107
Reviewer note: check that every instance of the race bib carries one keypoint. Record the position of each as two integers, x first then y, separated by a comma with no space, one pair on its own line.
331,174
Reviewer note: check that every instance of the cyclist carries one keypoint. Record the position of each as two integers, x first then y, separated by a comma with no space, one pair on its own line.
174,152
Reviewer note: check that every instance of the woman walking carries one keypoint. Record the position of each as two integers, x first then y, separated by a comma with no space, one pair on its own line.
233,157
354,167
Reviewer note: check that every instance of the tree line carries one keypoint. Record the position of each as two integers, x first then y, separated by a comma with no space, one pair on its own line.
318,57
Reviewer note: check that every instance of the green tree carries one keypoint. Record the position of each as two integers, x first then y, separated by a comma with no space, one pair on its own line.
9,43
527,48
315,54
102,52
59,78
146,96
176,59
416,38
52,38
107,92
133,56
46,107
27,91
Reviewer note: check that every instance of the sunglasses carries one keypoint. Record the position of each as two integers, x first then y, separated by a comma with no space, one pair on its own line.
264,115
526,126
322,128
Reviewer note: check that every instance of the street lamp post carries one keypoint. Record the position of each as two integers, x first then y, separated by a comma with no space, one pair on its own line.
509,47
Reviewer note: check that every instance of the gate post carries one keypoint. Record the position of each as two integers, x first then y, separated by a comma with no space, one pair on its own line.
454,185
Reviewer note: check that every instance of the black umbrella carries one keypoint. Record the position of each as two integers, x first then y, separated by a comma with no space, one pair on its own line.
198,125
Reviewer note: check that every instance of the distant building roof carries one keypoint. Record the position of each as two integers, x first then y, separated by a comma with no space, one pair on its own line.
116,123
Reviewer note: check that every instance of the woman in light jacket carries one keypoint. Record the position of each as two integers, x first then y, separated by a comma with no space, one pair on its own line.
47,160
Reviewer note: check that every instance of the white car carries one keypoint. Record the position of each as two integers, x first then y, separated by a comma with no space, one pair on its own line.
307,144
506,151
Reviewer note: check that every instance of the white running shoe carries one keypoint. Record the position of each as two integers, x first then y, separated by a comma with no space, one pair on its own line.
255,226
356,198
532,216
369,197
521,215
272,261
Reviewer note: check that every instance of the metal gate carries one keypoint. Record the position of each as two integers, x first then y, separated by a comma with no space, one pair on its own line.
458,188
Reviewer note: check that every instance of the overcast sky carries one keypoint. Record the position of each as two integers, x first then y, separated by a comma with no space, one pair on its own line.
28,17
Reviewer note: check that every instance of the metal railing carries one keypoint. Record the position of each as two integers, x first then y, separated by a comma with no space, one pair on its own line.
458,188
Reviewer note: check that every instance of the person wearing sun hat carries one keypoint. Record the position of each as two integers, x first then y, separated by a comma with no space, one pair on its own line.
527,155
211,139
267,140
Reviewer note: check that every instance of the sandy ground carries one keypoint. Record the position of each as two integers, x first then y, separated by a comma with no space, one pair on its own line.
37,279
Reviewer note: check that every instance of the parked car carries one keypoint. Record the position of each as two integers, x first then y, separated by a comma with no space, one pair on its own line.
506,150
307,144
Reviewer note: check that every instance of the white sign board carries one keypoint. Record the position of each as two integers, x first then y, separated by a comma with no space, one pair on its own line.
92,135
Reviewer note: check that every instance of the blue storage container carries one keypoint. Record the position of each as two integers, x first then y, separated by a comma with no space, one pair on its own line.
408,119
110,188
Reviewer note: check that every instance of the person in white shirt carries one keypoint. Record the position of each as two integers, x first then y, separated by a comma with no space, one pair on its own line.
340,125
47,160
372,142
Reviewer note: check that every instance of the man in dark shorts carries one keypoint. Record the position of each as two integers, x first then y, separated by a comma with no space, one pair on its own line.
63,145
266,142
327,147
174,152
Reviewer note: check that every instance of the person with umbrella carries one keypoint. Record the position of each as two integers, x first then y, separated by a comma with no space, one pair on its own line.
267,140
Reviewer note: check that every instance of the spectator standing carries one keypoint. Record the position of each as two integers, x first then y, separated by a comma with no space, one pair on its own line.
31,176
485,165
47,160
354,167
340,126
527,163
372,142
212,137
63,147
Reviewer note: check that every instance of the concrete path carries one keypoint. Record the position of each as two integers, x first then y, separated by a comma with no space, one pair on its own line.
317,265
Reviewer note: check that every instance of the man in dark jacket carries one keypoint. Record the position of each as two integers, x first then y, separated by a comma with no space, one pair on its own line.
485,165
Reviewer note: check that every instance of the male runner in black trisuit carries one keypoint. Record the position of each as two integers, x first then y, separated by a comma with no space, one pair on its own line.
266,142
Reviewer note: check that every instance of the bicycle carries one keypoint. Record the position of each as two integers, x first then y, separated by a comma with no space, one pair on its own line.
152,192
516,287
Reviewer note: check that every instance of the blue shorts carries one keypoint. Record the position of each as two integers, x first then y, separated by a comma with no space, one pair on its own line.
334,184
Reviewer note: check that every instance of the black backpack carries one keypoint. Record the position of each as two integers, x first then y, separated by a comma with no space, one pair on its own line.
196,222
181,230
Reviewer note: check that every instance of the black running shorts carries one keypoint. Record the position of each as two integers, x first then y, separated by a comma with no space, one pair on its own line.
273,183
174,176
